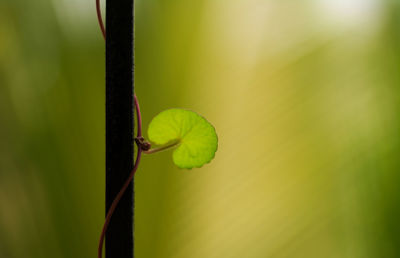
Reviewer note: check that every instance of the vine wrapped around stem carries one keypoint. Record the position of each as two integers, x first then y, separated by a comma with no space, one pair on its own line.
143,146
126,184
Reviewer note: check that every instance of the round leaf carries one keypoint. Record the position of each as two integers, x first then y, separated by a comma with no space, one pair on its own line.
196,138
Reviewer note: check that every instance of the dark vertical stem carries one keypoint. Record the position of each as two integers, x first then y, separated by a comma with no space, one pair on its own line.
119,125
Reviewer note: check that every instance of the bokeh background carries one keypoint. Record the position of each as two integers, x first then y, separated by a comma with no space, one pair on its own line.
305,96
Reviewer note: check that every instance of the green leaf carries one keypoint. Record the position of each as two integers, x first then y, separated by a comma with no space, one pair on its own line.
196,138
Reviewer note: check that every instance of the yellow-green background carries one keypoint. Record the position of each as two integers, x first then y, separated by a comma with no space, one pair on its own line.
305,97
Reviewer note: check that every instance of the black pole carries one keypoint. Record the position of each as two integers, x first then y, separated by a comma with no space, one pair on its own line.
119,125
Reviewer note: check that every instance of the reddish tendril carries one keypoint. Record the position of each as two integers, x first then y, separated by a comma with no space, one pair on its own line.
138,156
100,19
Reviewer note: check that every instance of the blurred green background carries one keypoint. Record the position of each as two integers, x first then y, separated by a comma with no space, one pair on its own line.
305,97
